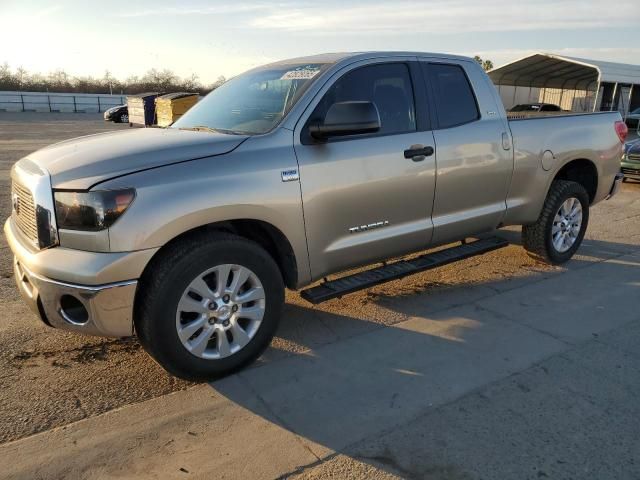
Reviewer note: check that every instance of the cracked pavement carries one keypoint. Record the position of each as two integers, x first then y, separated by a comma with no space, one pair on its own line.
494,367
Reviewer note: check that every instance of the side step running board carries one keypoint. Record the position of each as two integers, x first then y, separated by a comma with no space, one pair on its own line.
359,281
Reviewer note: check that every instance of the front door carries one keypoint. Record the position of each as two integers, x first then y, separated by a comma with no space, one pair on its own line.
363,200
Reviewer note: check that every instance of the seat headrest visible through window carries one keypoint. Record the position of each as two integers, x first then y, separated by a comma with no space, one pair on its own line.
393,105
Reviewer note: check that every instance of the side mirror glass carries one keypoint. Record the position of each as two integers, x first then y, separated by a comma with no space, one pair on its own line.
347,118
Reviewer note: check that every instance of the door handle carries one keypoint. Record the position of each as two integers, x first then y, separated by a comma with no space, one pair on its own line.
417,153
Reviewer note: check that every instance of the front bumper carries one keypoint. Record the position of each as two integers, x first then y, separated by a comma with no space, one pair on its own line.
631,170
104,310
84,292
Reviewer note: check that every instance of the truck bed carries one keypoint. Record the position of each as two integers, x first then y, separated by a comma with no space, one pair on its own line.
543,143
536,115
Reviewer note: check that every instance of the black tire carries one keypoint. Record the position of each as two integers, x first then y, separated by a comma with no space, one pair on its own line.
537,238
163,283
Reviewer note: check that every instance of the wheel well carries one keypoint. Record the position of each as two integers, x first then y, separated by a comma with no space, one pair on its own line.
583,172
266,235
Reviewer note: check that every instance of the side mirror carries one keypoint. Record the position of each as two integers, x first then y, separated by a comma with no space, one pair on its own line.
347,118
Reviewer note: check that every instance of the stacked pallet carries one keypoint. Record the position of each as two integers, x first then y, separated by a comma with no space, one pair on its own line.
172,106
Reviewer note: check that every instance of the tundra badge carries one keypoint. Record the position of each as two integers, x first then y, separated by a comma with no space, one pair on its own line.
370,226
290,175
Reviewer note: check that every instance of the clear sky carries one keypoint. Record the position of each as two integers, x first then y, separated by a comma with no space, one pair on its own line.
212,38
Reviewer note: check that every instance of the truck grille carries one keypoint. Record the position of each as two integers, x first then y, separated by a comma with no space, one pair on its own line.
631,171
24,212
634,157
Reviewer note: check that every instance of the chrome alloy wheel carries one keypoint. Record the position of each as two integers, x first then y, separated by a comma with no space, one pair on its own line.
220,311
566,225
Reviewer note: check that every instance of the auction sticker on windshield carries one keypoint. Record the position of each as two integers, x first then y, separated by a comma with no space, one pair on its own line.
301,73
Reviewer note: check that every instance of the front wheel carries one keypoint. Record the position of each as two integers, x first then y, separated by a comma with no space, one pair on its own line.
209,305
560,228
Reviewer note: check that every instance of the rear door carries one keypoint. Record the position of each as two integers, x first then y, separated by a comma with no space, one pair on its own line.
363,200
474,162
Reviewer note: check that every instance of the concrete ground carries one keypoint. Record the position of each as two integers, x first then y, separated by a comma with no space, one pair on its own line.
495,367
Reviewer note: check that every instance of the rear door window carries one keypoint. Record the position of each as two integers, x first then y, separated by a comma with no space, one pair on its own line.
454,98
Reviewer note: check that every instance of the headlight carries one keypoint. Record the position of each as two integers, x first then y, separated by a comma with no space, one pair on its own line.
91,211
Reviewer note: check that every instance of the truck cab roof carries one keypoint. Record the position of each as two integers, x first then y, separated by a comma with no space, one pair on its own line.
348,57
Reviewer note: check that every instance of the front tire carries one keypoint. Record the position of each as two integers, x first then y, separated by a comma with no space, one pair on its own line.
209,305
560,228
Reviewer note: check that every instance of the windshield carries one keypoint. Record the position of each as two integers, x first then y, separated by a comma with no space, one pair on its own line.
251,103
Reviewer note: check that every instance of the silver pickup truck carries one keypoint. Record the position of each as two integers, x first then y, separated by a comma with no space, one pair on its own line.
284,175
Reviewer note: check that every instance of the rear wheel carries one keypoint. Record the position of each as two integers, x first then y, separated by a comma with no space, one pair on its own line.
558,232
124,118
209,306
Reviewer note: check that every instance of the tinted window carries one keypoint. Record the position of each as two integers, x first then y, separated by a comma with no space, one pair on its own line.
253,102
386,85
454,99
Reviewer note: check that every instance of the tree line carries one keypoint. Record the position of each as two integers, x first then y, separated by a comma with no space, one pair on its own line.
60,81
154,80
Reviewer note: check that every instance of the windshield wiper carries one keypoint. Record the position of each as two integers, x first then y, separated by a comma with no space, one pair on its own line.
204,128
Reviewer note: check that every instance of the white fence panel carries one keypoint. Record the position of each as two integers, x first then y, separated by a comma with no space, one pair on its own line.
58,102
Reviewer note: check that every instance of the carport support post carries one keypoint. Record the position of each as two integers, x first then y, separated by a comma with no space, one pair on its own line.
22,101
99,108
613,97
595,97
74,105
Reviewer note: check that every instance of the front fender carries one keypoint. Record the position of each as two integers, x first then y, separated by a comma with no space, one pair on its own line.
246,184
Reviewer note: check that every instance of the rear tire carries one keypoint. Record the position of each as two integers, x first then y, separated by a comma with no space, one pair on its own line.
204,337
560,228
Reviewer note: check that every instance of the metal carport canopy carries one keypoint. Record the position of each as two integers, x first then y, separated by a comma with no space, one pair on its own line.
546,70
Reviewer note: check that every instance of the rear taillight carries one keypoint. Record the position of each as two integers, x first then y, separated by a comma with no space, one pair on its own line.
621,130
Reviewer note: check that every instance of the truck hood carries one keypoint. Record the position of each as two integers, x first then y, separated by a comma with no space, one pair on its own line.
83,162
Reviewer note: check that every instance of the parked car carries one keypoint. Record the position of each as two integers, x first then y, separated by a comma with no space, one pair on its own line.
631,161
285,174
633,119
536,107
119,114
